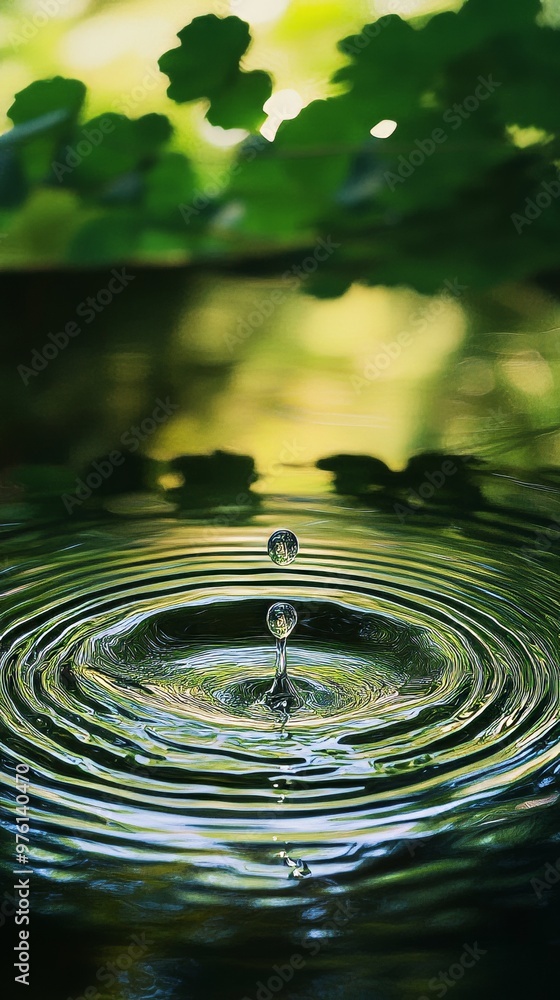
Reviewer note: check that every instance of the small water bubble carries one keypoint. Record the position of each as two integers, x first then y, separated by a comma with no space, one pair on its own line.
281,620
283,547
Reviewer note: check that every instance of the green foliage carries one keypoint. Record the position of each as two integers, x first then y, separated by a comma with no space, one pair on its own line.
13,186
113,237
45,96
126,146
408,209
57,101
171,181
240,104
206,65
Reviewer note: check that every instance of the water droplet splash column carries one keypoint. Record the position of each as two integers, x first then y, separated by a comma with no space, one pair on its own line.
281,619
283,696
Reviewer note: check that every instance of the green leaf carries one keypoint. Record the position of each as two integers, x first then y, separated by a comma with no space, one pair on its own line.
38,100
151,132
108,147
20,134
380,85
206,65
170,183
405,210
113,237
209,54
13,187
43,96
43,228
162,245
287,186
241,104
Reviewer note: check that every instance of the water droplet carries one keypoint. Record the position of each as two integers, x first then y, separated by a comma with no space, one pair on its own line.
283,547
281,620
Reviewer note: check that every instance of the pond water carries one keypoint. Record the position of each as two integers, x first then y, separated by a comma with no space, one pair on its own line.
405,809
416,779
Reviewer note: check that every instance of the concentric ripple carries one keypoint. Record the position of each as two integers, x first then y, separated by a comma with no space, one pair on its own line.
135,659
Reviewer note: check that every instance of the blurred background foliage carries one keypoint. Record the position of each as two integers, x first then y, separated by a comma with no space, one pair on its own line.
433,327
114,168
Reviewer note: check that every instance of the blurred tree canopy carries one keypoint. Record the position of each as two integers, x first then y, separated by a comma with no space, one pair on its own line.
467,184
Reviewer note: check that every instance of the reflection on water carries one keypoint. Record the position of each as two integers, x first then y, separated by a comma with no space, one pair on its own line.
413,789
426,662
422,760
377,372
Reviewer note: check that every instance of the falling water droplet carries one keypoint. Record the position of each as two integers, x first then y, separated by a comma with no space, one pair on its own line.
281,620
283,547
